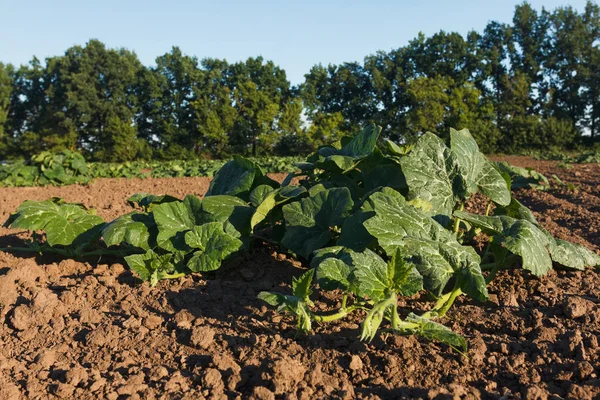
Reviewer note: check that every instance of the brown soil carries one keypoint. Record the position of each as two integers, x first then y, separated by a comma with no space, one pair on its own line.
79,330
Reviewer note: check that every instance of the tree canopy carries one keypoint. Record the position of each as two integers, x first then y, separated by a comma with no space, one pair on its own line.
533,83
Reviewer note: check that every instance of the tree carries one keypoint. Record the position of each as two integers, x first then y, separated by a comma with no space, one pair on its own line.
168,92
260,91
88,88
215,115
6,87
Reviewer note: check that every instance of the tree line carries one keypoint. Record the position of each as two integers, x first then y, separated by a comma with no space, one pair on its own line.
534,83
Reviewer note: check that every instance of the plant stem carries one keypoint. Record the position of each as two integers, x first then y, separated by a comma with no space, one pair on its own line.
457,220
488,209
106,252
443,304
338,315
174,276
344,301
395,317
492,275
34,250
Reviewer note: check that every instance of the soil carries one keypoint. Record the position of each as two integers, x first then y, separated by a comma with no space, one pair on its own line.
92,331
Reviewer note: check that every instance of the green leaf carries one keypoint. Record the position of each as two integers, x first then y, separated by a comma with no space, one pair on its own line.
516,210
354,234
147,201
214,246
372,275
360,146
171,219
308,220
479,172
366,274
525,239
431,330
291,304
573,255
523,177
433,174
62,222
151,266
133,229
259,194
395,219
263,210
235,177
363,144
387,175
520,237
333,273
301,285
233,212
347,157
403,277
433,249
274,199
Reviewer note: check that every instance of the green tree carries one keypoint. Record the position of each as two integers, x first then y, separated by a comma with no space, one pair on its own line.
168,92
260,91
6,87
90,87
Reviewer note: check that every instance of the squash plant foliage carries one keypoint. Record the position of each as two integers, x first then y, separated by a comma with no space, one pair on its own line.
375,220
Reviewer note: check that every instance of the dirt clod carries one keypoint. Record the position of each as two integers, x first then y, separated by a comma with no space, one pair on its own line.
202,337
575,307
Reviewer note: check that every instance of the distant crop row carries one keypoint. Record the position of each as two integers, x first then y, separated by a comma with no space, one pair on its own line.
68,167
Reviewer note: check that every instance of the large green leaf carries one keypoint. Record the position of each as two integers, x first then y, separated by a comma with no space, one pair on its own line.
573,255
233,212
259,194
366,274
172,218
133,229
360,146
333,273
519,236
346,157
354,234
273,199
235,177
432,330
433,249
309,220
479,172
433,174
213,244
62,222
394,219
516,210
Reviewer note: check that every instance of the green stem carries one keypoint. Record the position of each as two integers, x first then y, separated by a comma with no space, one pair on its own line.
338,315
174,276
34,250
457,220
492,275
443,304
107,252
396,321
344,301
488,209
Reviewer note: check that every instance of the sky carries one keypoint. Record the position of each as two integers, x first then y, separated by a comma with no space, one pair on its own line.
295,35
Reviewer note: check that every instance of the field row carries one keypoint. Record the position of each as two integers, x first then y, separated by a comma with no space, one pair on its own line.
68,167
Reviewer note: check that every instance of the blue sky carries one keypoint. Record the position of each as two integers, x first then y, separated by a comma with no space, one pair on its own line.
295,35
